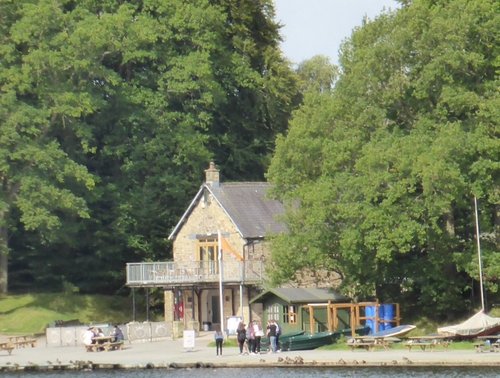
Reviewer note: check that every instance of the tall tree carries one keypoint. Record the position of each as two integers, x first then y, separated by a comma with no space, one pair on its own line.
141,94
385,167
41,133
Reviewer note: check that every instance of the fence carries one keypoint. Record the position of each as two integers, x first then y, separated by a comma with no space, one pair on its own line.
133,332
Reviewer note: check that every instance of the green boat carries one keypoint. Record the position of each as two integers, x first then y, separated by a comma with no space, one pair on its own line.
283,339
308,341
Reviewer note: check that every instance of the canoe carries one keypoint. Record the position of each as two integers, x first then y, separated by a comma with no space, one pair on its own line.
398,331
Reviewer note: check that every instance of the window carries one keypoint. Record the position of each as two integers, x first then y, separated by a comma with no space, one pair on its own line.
273,312
289,314
207,255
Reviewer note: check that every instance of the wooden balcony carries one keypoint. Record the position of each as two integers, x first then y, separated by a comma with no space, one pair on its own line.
171,274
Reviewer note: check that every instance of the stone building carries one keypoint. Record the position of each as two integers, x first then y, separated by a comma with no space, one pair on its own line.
219,254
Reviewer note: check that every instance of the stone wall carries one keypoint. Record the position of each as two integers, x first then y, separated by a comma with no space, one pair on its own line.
207,218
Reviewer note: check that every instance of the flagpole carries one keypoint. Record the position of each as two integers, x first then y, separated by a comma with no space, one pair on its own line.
479,255
221,291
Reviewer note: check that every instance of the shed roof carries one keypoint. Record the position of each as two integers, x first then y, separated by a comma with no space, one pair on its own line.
247,205
301,295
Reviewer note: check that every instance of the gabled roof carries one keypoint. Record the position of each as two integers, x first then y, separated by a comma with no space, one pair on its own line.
301,295
246,204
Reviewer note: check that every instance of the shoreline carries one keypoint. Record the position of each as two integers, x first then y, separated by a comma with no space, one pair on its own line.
170,354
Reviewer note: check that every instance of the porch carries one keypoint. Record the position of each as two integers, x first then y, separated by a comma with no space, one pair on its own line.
162,274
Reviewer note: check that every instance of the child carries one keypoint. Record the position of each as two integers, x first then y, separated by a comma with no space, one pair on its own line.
219,339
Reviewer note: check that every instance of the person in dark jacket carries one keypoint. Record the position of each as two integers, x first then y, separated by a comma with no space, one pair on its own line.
241,336
117,334
271,334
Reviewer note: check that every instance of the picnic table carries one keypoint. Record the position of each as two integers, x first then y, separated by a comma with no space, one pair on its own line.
102,343
487,343
370,343
427,342
8,346
22,341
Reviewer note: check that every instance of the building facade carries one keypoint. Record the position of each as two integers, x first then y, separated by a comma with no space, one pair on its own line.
219,254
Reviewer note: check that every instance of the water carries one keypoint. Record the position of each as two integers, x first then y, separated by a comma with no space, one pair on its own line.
295,372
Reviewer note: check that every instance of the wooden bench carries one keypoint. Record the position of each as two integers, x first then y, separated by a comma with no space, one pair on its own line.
113,346
25,343
92,347
368,344
483,347
9,347
22,341
426,344
363,345
104,346
422,345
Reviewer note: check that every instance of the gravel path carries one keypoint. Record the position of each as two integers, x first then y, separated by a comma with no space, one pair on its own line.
171,353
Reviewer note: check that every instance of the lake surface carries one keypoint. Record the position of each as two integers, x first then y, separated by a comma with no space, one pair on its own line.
296,372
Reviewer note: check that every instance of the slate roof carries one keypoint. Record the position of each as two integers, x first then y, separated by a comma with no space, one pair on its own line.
302,295
247,205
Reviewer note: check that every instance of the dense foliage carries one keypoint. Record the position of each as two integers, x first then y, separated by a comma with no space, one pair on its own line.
110,111
385,166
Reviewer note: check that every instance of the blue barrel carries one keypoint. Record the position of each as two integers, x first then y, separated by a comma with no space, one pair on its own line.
388,315
370,318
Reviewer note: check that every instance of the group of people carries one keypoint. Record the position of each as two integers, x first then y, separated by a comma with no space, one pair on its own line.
89,337
249,337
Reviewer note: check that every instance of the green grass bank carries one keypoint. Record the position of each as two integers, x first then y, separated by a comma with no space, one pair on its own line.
31,313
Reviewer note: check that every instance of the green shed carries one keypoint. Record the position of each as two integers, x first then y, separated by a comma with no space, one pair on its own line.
291,308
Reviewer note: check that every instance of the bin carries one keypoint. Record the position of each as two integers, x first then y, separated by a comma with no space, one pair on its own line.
388,316
207,326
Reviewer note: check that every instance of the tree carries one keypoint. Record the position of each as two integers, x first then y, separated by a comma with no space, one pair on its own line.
385,167
40,174
317,74
135,98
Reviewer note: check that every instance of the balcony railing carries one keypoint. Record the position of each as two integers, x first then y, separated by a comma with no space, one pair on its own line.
172,273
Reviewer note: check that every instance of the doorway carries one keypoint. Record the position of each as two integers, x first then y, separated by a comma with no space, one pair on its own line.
215,309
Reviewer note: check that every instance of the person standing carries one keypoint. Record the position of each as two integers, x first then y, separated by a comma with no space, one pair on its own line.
278,334
257,330
251,338
219,340
241,336
271,334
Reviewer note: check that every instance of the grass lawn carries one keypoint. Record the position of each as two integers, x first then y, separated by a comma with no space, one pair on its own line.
455,345
31,313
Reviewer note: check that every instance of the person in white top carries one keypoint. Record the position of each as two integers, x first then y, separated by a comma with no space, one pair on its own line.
259,333
87,336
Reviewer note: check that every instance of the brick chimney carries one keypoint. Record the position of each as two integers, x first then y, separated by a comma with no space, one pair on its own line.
212,175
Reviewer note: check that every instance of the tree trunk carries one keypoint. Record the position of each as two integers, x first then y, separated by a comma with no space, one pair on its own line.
4,258
450,223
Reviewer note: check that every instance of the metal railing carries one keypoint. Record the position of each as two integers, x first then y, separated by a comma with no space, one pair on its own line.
165,273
